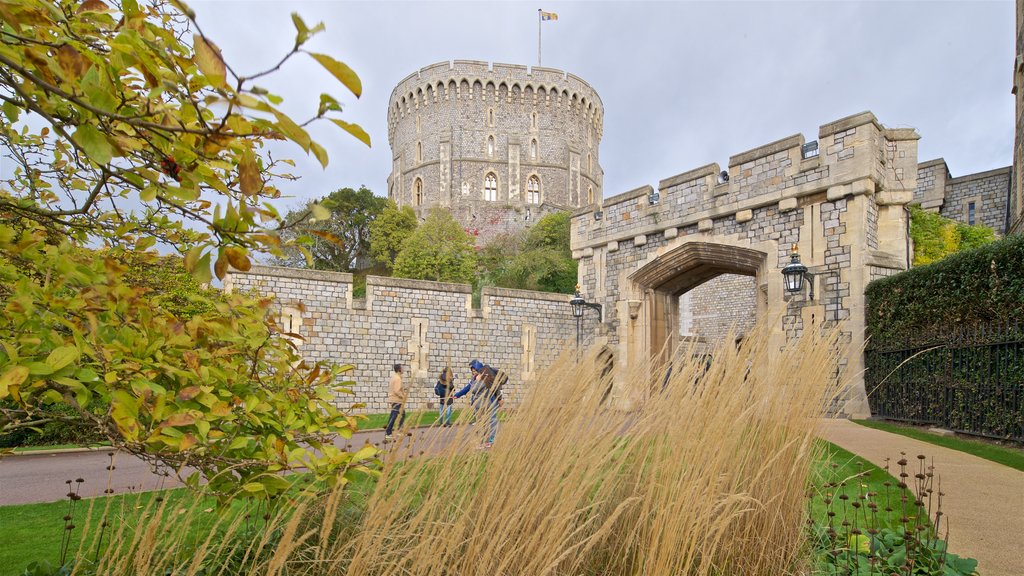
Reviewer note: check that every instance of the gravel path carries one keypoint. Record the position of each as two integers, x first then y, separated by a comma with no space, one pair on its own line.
984,501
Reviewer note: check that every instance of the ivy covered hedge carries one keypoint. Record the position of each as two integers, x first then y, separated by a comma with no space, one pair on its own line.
967,289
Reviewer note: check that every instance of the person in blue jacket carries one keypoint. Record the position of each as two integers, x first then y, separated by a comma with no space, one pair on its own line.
485,395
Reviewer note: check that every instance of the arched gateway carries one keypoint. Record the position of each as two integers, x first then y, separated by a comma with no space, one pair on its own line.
719,239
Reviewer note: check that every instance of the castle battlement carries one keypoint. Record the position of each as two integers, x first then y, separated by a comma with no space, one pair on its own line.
852,156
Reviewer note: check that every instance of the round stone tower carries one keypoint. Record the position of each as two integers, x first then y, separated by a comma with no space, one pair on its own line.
497,145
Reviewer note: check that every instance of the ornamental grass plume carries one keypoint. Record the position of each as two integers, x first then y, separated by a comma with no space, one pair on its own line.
704,474
697,470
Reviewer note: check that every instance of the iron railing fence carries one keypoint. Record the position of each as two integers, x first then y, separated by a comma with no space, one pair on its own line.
968,380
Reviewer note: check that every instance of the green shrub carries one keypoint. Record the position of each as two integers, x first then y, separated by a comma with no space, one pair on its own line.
969,288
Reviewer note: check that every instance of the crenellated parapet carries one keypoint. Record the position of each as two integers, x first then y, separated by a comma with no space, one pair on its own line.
509,83
851,157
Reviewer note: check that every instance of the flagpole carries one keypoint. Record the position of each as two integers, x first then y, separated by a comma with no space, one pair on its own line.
538,36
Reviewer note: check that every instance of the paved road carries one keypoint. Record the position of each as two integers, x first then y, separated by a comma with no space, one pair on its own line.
30,478
984,501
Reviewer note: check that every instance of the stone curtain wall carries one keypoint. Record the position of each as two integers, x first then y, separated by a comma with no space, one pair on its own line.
988,190
420,324
991,192
721,304
442,118
843,209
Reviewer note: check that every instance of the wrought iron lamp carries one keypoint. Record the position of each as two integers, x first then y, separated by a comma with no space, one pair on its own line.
794,273
579,304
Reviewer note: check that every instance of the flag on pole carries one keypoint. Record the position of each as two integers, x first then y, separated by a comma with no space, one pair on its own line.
548,15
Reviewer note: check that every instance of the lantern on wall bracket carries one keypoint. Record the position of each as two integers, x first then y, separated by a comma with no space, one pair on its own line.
578,306
794,273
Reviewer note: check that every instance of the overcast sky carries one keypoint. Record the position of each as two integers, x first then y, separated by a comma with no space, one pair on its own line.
683,84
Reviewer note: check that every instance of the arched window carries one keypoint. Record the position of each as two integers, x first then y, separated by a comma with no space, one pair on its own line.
417,192
533,190
490,145
590,195
491,187
419,152
490,117
533,121
533,149
590,164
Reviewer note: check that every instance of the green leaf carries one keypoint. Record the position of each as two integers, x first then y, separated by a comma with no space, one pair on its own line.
61,357
148,194
95,144
253,487
341,71
328,104
353,129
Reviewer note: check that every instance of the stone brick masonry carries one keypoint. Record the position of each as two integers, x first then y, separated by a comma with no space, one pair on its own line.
980,197
420,324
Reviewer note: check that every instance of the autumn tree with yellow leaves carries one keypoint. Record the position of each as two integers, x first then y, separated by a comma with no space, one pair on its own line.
123,130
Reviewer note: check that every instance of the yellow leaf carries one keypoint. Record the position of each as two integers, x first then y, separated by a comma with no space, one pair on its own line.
320,153
220,267
210,62
319,212
180,419
237,258
12,378
353,129
192,257
341,71
71,62
249,179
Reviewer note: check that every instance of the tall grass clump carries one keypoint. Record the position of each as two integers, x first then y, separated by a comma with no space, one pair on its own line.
704,475
698,466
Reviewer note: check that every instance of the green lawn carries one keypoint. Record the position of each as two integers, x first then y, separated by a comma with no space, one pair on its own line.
1012,457
849,465
419,418
32,532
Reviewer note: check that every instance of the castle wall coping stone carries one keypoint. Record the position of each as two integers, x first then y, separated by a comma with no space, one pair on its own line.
902,134
884,260
496,292
931,163
627,196
981,175
725,210
389,282
691,175
787,143
304,273
851,121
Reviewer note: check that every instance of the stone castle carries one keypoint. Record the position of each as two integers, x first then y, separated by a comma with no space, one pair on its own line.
498,145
